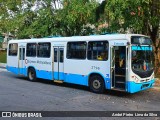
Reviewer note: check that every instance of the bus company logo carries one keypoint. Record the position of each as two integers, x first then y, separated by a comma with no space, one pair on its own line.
6,114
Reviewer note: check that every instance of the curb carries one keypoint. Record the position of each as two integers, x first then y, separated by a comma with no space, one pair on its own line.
2,65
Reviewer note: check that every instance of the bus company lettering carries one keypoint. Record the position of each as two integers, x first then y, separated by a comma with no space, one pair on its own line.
31,61
119,44
39,62
43,62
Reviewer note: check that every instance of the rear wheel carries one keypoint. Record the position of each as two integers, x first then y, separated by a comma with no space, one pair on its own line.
32,74
96,84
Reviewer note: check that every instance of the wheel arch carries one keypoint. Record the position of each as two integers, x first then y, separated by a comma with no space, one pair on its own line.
32,70
94,74
31,67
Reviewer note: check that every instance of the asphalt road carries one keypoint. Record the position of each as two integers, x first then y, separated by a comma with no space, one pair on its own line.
19,94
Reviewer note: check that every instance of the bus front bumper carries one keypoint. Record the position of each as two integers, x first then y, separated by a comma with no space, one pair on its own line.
136,87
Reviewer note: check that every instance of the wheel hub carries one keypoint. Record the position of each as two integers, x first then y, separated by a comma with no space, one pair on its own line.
96,84
31,75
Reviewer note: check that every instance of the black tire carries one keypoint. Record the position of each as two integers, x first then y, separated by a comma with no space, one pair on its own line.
32,75
96,84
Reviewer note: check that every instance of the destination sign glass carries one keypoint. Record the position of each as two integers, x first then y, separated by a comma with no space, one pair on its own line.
141,40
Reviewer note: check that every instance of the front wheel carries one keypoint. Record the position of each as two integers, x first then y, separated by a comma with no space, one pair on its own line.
96,84
32,75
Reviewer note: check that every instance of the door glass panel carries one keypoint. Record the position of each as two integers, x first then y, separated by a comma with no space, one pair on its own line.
20,54
61,55
113,57
23,53
55,54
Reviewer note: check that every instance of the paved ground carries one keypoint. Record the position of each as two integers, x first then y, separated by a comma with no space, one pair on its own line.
2,65
19,94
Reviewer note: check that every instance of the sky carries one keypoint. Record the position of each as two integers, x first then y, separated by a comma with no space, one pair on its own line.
100,0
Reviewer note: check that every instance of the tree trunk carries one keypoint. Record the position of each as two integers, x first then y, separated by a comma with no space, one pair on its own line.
153,35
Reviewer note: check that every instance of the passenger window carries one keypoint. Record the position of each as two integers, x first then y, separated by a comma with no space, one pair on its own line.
13,49
31,49
44,50
98,50
76,50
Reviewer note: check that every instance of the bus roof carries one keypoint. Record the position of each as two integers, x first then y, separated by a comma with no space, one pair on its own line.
79,38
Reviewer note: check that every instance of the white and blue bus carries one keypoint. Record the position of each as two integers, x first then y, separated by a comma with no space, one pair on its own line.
122,62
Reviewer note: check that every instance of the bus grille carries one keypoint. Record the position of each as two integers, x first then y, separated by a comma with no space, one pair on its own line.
145,86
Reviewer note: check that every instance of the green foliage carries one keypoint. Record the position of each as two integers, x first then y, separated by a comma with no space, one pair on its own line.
75,15
40,18
140,15
3,56
19,18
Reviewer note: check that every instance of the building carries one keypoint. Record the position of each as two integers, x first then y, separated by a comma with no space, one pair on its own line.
4,38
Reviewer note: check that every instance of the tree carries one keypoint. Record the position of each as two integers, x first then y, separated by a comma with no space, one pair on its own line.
142,16
75,15
28,18
13,14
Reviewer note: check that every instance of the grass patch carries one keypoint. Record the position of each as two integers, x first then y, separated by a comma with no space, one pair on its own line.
3,56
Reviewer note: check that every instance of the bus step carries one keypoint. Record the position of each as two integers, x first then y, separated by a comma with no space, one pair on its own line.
119,89
120,75
120,85
121,82
58,81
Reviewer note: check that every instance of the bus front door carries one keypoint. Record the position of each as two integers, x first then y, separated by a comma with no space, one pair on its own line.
58,64
21,61
118,67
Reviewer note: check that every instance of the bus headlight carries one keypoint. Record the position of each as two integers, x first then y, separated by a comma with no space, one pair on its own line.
135,79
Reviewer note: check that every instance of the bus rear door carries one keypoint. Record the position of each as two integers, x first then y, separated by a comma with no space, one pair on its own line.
21,59
58,63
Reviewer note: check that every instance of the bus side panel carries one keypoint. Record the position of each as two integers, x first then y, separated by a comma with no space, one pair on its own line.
44,74
12,64
78,71
61,75
42,66
76,79
24,70
108,82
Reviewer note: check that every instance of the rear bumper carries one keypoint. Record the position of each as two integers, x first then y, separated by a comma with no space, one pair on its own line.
12,69
136,87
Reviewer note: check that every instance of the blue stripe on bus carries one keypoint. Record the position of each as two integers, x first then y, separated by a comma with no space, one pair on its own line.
69,78
23,71
135,87
108,83
76,79
44,74
141,48
61,75
16,70
12,69
131,86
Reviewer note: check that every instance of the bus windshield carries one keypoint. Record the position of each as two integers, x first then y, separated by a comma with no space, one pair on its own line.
142,58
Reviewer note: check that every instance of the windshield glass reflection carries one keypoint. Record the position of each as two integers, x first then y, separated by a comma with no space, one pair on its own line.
142,59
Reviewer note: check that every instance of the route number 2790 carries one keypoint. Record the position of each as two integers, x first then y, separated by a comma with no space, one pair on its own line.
95,67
